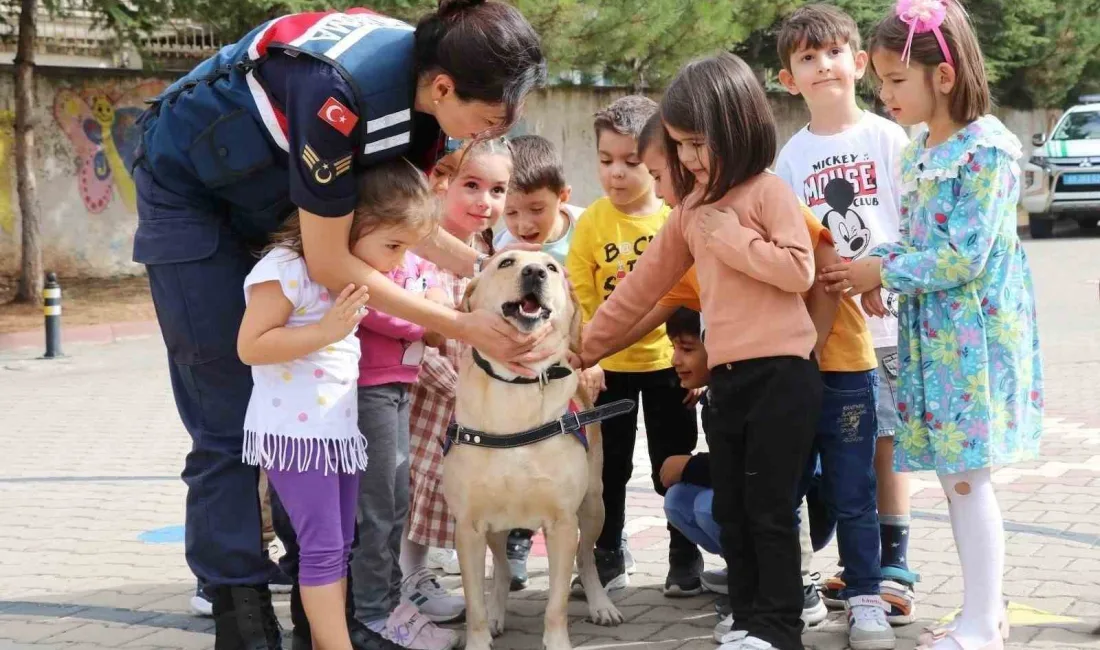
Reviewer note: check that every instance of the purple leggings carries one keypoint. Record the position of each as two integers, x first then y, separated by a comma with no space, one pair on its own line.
322,510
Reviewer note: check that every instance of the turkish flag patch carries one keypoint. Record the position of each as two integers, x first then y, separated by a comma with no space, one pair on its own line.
338,116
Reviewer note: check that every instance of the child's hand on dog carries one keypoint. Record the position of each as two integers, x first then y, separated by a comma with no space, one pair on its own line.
672,470
592,382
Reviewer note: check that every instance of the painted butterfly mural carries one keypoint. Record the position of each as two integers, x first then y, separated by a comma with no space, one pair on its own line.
101,124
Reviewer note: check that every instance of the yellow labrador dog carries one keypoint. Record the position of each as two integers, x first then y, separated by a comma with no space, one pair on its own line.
514,459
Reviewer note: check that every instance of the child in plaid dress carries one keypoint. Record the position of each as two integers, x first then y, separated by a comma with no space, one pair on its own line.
478,187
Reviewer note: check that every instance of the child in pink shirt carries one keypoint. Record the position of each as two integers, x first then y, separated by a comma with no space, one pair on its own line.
392,350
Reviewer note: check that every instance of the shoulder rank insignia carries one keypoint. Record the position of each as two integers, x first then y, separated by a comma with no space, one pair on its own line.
324,171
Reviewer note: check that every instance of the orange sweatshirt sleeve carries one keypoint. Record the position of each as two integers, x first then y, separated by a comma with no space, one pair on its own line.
664,262
785,258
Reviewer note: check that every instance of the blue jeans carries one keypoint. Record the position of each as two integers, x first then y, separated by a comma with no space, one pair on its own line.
688,509
845,441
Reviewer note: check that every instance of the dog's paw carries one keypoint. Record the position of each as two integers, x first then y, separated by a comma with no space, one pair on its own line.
556,640
603,612
497,612
482,641
496,624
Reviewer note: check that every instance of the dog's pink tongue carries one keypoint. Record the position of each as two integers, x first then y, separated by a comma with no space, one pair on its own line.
530,305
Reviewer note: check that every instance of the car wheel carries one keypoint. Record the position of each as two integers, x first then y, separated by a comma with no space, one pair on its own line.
1040,226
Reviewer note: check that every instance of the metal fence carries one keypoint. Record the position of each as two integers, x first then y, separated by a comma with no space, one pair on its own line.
73,30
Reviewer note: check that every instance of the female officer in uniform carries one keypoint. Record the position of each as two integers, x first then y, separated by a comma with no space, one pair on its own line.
276,122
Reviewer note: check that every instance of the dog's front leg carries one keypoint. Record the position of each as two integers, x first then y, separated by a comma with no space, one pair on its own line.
471,559
502,582
601,610
561,549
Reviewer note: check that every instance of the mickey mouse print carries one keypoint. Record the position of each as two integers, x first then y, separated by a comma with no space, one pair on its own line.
848,229
849,181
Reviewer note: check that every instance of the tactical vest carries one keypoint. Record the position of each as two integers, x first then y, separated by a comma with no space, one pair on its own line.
215,133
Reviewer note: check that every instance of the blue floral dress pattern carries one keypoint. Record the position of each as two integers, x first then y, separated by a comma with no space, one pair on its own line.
970,383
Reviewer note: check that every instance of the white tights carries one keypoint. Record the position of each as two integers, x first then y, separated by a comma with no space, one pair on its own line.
979,536
413,556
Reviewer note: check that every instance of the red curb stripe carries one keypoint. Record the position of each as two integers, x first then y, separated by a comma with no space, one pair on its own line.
95,334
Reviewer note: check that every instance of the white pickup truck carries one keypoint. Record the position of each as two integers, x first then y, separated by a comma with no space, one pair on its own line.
1062,177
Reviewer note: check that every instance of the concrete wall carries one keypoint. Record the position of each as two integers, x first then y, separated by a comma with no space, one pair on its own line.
564,115
87,198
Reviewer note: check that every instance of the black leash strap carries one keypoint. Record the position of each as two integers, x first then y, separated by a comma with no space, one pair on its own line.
571,423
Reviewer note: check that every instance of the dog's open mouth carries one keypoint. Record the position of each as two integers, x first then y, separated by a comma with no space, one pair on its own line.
529,308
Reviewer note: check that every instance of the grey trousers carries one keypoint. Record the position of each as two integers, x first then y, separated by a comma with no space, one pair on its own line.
383,501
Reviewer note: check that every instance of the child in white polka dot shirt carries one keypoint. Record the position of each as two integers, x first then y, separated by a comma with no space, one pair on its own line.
302,420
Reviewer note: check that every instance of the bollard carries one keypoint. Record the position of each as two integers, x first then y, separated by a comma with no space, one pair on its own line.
51,307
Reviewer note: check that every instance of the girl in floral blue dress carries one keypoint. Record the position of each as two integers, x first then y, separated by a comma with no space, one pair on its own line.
970,386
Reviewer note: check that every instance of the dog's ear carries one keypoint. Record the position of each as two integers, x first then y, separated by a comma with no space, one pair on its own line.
576,322
467,295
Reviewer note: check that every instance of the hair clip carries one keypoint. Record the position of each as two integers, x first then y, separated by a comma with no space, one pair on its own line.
451,145
924,16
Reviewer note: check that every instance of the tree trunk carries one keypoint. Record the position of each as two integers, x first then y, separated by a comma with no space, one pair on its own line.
30,280
637,81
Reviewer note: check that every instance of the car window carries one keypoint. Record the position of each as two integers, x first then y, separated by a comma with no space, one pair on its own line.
1079,126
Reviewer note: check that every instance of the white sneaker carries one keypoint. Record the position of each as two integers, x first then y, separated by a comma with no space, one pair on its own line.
444,559
439,605
867,625
724,627
746,643
628,558
410,629
200,604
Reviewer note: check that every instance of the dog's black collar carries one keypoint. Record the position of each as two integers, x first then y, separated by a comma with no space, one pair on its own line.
572,423
556,371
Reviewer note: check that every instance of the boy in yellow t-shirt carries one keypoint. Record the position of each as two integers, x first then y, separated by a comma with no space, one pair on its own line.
610,237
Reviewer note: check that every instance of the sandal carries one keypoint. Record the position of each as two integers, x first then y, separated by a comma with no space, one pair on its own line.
995,644
934,633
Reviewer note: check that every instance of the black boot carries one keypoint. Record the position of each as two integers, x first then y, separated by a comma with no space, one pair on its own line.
245,620
301,639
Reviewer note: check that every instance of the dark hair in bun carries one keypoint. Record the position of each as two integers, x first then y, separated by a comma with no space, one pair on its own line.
487,47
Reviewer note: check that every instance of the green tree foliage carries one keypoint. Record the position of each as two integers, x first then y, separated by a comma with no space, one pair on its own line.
641,44
1038,52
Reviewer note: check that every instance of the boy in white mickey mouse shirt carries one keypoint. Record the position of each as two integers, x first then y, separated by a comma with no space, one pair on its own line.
843,166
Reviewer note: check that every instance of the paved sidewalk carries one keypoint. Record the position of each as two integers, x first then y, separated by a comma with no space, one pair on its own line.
91,506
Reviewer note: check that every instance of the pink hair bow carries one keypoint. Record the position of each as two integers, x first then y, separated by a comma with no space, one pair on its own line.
924,16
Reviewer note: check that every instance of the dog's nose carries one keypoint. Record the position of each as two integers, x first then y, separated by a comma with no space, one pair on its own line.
534,271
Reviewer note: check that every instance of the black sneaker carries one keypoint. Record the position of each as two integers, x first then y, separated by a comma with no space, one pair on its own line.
684,570
364,638
519,547
611,569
